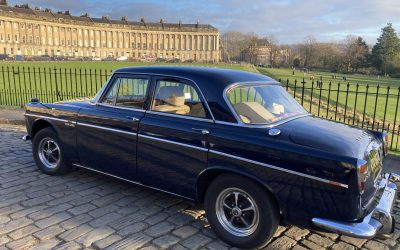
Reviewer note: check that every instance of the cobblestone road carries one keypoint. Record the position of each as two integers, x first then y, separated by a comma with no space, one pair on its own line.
87,210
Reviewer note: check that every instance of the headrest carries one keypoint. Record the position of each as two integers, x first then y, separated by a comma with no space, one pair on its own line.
172,95
254,111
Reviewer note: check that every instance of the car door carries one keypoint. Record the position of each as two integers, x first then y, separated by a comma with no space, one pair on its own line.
107,131
173,137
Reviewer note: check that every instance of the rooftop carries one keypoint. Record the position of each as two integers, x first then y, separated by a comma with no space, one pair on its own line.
59,16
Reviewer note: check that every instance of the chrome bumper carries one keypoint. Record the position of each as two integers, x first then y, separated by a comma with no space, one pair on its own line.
379,222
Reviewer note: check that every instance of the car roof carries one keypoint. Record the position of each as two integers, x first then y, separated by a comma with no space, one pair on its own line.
211,81
219,76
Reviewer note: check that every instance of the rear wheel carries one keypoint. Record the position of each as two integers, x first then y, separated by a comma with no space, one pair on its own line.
240,211
48,154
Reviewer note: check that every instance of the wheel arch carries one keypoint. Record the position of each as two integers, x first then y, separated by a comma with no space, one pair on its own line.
40,124
205,178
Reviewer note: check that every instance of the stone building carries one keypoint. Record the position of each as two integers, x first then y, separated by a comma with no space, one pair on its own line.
35,32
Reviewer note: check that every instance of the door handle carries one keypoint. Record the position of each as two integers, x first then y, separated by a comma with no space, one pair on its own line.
202,131
135,119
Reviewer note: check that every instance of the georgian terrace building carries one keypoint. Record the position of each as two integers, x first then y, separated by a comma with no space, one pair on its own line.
34,32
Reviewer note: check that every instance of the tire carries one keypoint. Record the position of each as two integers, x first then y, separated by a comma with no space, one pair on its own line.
48,154
262,221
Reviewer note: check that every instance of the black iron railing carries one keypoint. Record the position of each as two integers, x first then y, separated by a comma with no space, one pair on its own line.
371,106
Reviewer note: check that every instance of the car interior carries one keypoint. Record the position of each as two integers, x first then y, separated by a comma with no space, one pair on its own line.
176,100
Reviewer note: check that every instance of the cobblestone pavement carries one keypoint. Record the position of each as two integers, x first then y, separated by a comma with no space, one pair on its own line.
87,210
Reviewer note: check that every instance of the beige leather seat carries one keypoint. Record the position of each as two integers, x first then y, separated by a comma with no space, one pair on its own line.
171,99
253,112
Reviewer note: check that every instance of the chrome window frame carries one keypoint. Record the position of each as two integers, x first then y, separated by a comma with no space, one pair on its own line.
101,93
201,96
239,122
105,87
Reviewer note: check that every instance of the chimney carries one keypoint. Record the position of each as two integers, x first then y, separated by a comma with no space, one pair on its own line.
124,18
143,21
162,22
180,23
3,3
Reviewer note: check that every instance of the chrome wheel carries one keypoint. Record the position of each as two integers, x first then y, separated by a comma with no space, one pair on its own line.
49,152
237,212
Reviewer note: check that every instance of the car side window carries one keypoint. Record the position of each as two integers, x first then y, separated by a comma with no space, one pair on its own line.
178,98
128,92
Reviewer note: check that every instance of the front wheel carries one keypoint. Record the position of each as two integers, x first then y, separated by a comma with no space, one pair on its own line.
48,154
241,212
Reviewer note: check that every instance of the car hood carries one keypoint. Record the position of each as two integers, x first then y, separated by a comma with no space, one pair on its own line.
329,136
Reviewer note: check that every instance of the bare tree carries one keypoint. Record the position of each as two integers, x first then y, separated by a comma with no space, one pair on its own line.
308,50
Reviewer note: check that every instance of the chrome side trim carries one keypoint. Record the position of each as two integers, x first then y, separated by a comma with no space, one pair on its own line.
262,126
105,128
134,182
173,142
48,117
179,116
334,183
120,107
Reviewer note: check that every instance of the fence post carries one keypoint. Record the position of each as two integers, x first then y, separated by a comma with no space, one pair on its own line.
329,98
302,91
347,98
365,104
395,115
376,103
386,104
355,103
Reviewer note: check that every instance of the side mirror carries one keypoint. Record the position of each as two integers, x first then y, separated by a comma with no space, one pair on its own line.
34,100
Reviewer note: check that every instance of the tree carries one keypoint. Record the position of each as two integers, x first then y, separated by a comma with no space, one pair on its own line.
307,50
386,49
234,43
356,53
296,62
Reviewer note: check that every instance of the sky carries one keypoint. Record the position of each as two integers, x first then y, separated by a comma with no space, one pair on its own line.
290,21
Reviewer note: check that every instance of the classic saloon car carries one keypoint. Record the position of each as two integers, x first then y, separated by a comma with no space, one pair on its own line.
235,140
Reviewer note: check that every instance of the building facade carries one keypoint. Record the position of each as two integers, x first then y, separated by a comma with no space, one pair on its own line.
33,32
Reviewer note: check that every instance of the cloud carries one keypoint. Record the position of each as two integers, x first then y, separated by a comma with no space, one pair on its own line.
289,20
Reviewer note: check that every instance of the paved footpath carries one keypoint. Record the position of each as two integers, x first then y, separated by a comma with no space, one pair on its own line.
87,210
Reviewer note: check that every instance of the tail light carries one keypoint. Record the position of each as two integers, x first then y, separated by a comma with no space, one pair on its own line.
385,142
362,173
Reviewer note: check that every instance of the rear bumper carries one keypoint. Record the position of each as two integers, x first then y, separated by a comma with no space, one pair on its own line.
379,222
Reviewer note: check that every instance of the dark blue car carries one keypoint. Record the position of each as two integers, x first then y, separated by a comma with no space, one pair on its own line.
236,141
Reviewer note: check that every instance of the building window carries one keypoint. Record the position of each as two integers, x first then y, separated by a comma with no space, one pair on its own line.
23,39
31,39
16,38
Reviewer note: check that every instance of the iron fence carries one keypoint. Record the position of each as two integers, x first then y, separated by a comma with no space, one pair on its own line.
371,106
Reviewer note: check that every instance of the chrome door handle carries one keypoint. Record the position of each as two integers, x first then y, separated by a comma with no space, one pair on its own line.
135,119
202,131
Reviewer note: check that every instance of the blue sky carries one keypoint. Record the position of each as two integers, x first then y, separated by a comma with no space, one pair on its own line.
290,21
